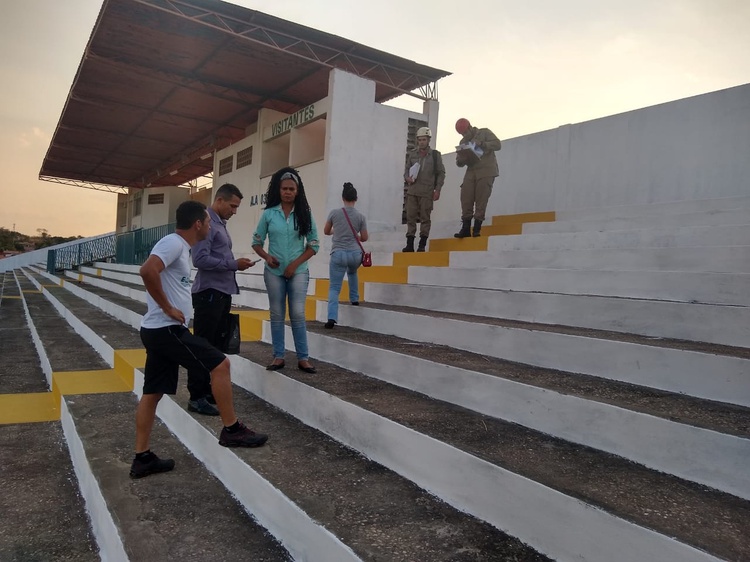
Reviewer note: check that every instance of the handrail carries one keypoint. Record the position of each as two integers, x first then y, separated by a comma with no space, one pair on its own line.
130,248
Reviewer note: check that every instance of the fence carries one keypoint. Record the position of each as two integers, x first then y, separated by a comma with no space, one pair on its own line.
129,248
134,247
70,257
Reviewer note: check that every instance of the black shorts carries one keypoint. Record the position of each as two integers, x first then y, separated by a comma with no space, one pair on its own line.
169,347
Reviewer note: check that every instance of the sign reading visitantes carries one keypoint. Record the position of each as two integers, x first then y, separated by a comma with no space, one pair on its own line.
294,120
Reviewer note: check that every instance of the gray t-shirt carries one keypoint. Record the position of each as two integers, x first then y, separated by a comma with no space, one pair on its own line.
343,238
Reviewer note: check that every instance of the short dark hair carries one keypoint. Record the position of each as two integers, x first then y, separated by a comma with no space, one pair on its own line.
349,193
188,212
227,191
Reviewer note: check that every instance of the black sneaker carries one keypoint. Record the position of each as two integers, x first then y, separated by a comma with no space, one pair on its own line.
330,324
151,465
243,437
202,406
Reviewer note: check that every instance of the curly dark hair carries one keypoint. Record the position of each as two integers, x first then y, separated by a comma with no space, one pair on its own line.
302,212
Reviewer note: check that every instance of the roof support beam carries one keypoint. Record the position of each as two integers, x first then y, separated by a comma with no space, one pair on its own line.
86,184
310,51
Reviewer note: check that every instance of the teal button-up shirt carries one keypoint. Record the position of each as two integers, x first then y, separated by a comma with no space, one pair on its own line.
284,241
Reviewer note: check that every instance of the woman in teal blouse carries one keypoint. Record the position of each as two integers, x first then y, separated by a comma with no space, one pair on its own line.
292,240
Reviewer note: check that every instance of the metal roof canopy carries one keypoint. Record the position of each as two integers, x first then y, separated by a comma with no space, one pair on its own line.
163,83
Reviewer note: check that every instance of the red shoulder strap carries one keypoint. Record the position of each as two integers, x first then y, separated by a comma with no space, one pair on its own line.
346,216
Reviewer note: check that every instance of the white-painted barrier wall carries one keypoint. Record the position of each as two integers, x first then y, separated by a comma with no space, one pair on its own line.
693,148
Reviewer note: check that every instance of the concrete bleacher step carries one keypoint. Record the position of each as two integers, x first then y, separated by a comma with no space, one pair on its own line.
43,513
671,365
584,409
25,374
721,217
656,209
386,245
650,237
720,324
677,286
145,519
647,236
375,512
446,228
187,515
262,382
700,444
126,285
732,259
516,478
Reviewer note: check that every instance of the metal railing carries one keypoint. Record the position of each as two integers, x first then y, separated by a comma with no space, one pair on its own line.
75,255
134,247
130,248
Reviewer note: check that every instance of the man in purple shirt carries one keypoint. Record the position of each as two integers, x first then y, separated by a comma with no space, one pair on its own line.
213,288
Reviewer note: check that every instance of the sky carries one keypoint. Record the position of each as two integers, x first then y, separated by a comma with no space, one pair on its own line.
517,68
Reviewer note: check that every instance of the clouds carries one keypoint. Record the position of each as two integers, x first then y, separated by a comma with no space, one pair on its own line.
34,137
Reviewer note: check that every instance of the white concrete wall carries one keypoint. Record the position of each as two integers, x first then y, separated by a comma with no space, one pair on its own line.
690,149
162,213
366,144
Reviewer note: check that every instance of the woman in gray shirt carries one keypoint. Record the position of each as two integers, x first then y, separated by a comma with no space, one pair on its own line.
346,253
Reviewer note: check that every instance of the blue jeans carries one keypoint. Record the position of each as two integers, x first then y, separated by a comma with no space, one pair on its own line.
342,261
295,289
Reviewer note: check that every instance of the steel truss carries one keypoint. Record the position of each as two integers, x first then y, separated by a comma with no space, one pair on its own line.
307,50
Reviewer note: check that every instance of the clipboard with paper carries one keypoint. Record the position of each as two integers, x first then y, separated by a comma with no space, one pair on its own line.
469,153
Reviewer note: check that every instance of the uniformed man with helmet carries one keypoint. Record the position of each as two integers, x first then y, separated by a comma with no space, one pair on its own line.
479,177
423,188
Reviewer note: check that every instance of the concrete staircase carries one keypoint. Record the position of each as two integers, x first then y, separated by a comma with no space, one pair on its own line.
567,390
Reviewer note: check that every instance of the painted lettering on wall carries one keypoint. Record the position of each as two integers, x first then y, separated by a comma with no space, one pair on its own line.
294,120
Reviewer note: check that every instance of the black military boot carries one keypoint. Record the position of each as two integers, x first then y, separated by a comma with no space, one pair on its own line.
422,244
465,231
409,244
477,227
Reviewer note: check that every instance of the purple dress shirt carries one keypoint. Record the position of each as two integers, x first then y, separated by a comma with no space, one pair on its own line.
214,259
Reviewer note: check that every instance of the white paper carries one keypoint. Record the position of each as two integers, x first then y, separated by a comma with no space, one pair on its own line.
471,146
414,170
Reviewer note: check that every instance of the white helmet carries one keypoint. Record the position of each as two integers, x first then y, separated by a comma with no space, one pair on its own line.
424,132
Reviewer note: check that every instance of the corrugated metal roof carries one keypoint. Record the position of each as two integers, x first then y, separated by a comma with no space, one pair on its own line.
164,82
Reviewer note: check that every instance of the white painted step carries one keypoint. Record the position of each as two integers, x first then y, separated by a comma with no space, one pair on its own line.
512,496
695,236
717,288
732,259
518,505
671,447
112,281
283,518
725,325
703,375
124,273
438,229
709,218
655,209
